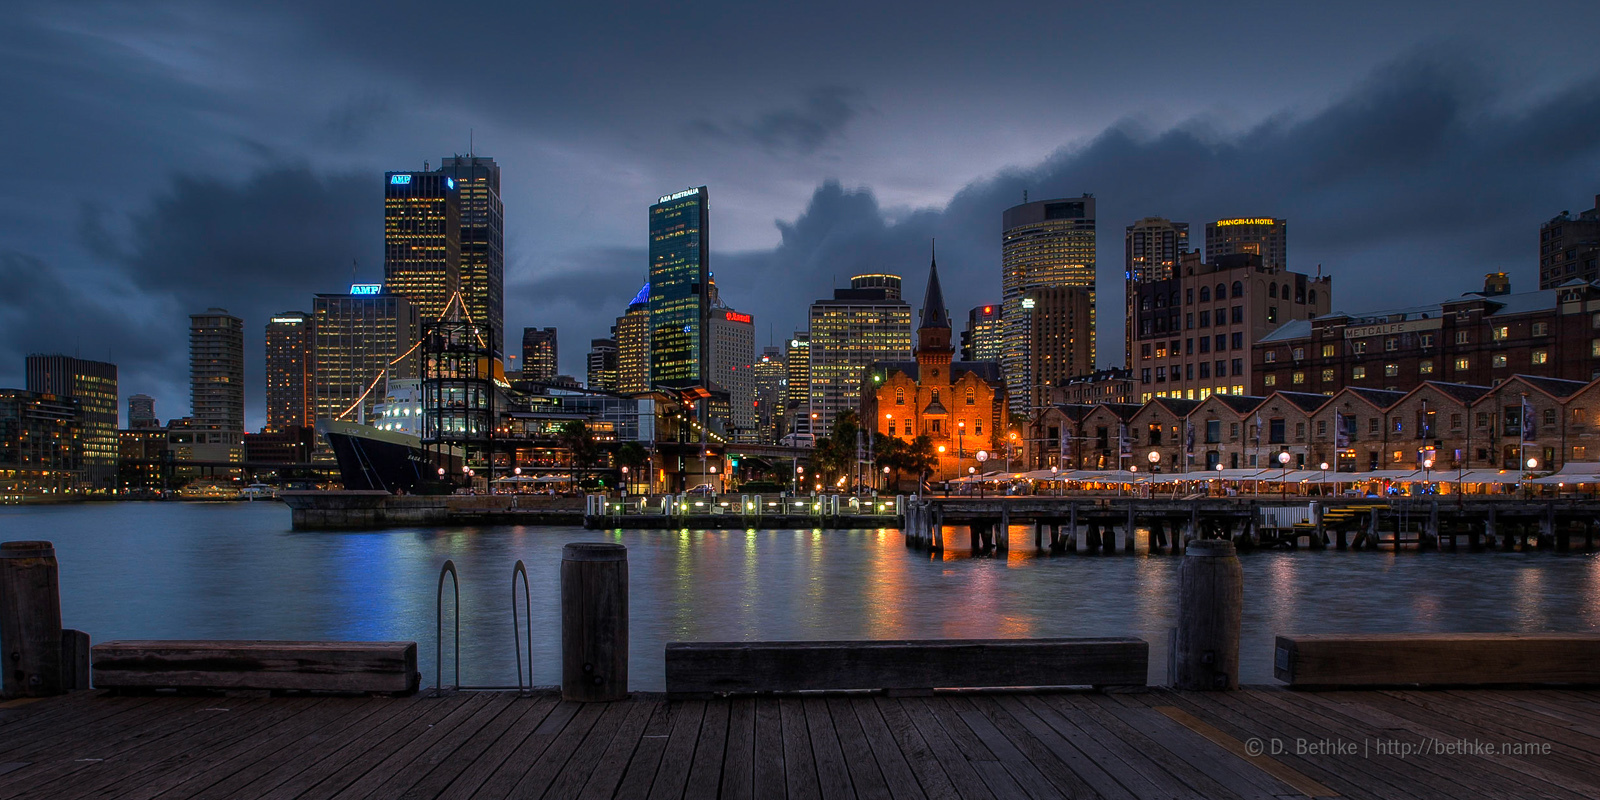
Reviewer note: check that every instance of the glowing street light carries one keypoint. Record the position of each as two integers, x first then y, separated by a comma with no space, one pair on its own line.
1283,481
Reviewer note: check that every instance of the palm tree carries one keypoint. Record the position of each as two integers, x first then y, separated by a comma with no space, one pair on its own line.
574,436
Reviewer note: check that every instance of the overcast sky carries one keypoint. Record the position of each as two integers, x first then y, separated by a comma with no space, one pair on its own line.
170,156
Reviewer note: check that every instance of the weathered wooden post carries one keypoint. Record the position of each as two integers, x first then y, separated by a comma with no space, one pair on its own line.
594,622
1002,533
1205,650
1127,541
30,619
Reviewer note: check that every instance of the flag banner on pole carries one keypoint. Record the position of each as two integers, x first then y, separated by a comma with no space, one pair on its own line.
1341,433
1527,420
1124,447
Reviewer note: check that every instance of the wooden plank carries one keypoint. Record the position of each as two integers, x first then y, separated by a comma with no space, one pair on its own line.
673,774
1240,777
1271,766
1454,659
411,765
278,665
607,773
799,765
705,772
1487,705
46,732
505,774
580,766
983,749
1073,739
865,774
898,728
966,780
904,783
833,776
769,767
646,760
541,772
1063,764
738,761
484,751
700,668
364,776
413,716
276,764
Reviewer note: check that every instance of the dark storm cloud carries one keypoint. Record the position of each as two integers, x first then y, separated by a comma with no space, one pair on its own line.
803,129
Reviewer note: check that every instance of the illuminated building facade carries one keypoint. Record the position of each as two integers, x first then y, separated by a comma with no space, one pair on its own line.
1045,244
361,341
540,354
602,365
1059,339
216,370
771,381
93,384
797,395
1261,236
142,412
981,340
422,239
860,326
1569,248
483,260
1151,250
680,288
733,353
632,334
290,368
959,405
41,451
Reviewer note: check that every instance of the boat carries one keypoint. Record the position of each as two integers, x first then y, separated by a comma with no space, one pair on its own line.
208,492
385,460
257,491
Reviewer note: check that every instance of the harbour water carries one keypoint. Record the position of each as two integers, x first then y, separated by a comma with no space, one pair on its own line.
237,571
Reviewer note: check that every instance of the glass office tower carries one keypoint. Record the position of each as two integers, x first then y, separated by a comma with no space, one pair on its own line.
680,294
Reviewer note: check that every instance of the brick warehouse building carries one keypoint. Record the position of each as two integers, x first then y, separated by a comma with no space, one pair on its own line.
1480,338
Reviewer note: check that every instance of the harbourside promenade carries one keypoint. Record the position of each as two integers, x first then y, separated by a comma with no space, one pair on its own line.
1158,743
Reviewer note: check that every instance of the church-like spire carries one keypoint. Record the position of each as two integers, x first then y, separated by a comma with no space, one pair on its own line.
933,311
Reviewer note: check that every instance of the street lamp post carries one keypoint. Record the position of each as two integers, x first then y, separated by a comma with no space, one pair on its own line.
1220,490
1324,466
1283,480
982,456
1427,469
1055,478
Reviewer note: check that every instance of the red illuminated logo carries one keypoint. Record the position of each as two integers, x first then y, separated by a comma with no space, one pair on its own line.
734,316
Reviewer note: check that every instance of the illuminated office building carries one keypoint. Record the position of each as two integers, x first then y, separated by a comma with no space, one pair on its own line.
1058,340
733,352
93,384
680,288
632,334
422,239
142,412
483,260
216,370
602,365
362,341
1260,236
771,380
1569,247
41,451
1151,249
289,371
797,398
1044,245
981,340
541,355
859,326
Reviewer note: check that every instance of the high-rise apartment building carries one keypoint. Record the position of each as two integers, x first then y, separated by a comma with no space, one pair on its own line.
1194,332
361,341
1261,236
1058,339
94,385
680,288
290,367
733,353
1151,249
1569,247
863,324
632,334
797,397
771,379
142,412
483,260
541,357
422,240
41,451
602,365
216,370
981,340
1044,244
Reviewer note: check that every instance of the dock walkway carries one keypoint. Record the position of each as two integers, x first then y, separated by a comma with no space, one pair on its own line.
1160,743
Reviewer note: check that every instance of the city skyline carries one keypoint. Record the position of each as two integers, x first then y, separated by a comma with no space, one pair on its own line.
182,205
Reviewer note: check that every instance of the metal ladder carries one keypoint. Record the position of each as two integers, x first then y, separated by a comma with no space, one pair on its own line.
520,643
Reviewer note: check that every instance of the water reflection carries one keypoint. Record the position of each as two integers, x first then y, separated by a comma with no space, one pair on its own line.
177,570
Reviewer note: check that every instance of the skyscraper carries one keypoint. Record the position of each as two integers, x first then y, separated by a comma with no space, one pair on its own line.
1262,236
680,288
1045,244
733,350
797,400
361,342
1151,249
142,412
981,340
94,385
483,260
771,378
602,365
863,324
422,239
1058,339
541,356
290,367
216,370
1569,247
632,333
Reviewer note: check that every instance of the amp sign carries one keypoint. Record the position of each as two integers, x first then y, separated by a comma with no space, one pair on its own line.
399,180
366,288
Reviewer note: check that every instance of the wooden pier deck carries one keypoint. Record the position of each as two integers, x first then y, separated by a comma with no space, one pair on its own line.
1545,743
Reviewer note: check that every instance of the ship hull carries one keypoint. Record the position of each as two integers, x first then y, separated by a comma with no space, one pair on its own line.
370,459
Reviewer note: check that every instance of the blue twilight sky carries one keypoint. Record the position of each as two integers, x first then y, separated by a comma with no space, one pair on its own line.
170,156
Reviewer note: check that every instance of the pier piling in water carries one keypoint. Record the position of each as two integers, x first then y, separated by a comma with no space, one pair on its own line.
30,619
1205,651
594,622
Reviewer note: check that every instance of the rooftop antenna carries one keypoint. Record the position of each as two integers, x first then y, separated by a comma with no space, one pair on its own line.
471,153
352,270
1024,196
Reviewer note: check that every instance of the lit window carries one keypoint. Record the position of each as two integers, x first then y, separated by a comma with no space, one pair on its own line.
1502,332
1426,367
1327,351
1541,356
1270,380
1462,363
1499,361
1358,373
1299,378
1391,370
1327,376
